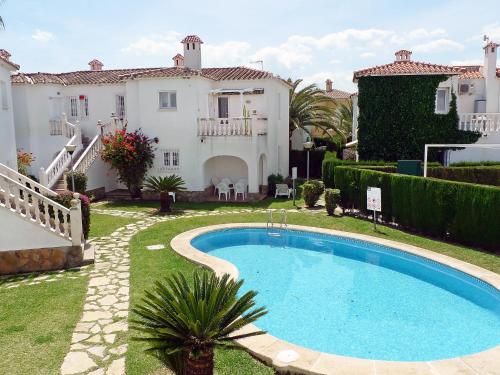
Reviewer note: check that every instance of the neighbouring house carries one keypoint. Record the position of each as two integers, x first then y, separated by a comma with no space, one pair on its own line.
36,233
337,97
210,121
8,154
405,104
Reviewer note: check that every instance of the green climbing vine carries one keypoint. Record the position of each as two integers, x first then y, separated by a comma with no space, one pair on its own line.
397,117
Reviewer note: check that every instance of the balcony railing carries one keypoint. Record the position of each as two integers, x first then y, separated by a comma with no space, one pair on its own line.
239,126
484,123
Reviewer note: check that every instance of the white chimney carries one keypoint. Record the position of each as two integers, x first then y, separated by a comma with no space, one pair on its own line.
490,77
192,52
329,85
96,65
178,60
403,55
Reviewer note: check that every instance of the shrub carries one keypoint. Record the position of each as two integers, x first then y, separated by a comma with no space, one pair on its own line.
487,163
272,180
332,198
329,165
485,175
80,181
311,191
131,154
463,212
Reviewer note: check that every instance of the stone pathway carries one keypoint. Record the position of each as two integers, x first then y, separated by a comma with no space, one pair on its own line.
15,281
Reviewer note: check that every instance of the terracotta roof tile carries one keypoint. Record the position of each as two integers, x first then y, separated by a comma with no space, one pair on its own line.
192,39
91,77
470,71
5,57
406,68
338,94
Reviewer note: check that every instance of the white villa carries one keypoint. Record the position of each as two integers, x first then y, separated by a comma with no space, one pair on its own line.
210,122
478,97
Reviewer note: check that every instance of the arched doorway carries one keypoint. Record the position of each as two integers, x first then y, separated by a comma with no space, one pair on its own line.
224,166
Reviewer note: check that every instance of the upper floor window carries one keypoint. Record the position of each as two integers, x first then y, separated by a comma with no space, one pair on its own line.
3,95
168,99
442,100
120,106
78,107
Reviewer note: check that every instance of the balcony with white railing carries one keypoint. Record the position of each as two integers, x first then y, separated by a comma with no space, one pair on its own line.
236,126
485,123
61,126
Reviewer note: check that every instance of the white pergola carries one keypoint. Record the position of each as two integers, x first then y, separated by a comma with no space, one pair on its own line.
453,145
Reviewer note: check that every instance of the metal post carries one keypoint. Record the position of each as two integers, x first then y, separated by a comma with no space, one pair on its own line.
374,220
72,174
293,191
307,165
426,149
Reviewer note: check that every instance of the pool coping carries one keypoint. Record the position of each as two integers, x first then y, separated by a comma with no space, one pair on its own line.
280,354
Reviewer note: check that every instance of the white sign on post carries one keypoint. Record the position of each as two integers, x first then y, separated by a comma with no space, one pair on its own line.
294,173
374,199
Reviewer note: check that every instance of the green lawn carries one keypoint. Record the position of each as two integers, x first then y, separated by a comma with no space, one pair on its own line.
36,323
104,225
148,266
152,206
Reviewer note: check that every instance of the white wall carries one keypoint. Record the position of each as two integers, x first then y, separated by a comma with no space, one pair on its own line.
18,234
8,154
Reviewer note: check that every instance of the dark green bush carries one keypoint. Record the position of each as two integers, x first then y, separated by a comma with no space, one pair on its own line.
80,181
329,165
463,212
475,163
311,191
272,180
64,198
332,198
484,175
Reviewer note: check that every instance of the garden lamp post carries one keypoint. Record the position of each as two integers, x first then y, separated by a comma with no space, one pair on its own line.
70,149
308,145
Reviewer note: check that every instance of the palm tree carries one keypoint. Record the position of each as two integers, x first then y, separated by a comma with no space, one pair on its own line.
165,185
2,24
309,108
183,324
343,120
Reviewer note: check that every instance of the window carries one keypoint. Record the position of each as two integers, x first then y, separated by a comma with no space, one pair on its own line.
169,160
3,95
78,107
120,106
193,47
223,103
442,100
168,100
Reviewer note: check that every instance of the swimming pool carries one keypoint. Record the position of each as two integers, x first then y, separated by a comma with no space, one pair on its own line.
356,298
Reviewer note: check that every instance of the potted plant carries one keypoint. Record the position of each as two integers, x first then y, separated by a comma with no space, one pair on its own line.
164,186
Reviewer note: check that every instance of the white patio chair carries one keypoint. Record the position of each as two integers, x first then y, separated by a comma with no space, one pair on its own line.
223,188
240,188
215,182
282,190
227,181
243,181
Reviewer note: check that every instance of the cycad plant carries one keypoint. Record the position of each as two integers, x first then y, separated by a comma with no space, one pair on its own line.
165,185
183,323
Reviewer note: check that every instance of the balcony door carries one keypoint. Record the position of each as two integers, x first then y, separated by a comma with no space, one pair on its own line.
223,105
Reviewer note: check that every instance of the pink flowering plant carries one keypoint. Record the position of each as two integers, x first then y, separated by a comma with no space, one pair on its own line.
131,154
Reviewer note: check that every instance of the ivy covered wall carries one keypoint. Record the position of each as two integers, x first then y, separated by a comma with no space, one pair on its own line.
396,117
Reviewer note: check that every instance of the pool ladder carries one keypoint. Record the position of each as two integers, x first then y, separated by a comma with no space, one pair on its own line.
271,229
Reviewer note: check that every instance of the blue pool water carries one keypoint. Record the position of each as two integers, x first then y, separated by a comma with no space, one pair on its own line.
360,299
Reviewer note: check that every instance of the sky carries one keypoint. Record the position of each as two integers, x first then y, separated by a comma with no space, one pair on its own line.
313,40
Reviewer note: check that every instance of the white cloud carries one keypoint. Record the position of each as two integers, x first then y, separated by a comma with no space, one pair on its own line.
156,44
438,45
467,62
367,55
341,80
228,53
417,34
491,30
296,52
42,36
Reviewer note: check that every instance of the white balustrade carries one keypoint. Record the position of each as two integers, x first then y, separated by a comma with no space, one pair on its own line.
48,177
239,126
26,181
484,123
89,155
61,126
39,209
111,127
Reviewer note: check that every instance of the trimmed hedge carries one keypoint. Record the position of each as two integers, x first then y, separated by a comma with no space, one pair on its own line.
475,163
476,175
332,198
80,181
311,191
463,212
329,165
